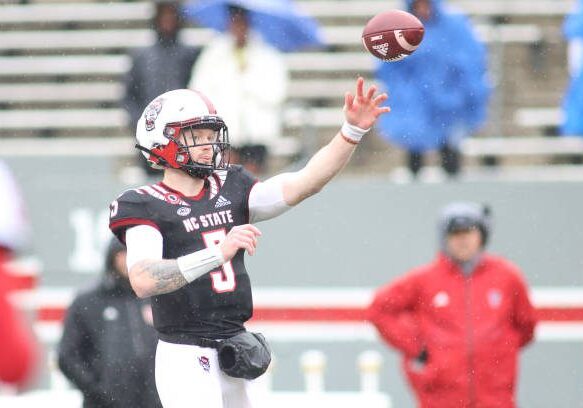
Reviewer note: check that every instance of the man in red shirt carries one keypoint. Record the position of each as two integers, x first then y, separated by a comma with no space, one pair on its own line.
460,320
18,349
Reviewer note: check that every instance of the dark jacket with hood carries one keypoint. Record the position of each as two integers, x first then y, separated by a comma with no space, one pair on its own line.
107,349
162,67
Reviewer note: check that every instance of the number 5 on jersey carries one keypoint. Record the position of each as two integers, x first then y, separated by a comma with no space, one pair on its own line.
223,280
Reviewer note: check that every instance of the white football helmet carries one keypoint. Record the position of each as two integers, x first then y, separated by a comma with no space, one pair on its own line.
161,128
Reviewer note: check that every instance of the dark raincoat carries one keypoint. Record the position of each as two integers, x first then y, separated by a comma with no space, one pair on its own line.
107,349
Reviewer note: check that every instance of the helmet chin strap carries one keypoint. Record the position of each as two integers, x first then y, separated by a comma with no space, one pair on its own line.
197,172
195,169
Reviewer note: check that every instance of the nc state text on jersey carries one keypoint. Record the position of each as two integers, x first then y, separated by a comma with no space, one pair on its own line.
208,220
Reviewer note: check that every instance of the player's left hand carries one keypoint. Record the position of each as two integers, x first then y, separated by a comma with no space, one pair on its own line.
363,109
240,237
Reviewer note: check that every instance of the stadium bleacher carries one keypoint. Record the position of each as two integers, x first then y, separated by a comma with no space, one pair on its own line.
59,11
61,64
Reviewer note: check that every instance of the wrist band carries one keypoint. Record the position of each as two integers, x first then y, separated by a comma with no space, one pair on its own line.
198,263
352,134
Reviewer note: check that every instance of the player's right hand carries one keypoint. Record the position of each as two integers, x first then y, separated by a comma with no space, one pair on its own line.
240,237
363,108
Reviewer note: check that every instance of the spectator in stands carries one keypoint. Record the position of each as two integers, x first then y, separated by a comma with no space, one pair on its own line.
159,68
573,100
460,320
18,348
442,88
108,344
247,80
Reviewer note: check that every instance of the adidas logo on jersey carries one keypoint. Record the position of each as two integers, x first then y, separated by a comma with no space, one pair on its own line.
221,202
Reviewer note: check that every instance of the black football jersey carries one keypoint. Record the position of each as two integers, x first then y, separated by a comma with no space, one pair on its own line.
218,303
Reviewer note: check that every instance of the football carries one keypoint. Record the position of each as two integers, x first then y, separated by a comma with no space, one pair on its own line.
392,35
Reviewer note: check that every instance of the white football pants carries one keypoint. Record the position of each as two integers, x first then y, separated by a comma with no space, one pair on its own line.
189,376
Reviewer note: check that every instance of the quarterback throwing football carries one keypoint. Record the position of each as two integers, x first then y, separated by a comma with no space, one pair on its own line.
186,237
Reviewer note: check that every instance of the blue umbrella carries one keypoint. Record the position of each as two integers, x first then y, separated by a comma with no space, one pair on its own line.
279,22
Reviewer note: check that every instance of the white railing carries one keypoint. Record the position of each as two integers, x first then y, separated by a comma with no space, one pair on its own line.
312,362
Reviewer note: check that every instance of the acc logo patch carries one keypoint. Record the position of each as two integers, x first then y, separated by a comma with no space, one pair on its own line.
183,211
151,113
172,199
204,363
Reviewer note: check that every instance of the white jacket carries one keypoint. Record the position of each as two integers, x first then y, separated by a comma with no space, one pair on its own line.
250,100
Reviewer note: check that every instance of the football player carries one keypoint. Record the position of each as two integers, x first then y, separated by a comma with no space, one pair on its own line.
186,236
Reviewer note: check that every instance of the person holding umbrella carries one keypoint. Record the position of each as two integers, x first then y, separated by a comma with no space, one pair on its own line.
234,70
278,22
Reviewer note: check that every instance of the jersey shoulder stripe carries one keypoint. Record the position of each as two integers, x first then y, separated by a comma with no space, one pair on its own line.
160,193
131,209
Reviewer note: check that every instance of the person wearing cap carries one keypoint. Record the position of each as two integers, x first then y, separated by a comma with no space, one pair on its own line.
108,345
460,320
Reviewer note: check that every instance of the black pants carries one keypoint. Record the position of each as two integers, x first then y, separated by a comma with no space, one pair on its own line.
450,160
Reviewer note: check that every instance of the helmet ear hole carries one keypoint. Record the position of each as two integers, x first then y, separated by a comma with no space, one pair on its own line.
169,132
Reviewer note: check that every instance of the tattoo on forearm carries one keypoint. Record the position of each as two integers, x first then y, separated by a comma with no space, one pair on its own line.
165,274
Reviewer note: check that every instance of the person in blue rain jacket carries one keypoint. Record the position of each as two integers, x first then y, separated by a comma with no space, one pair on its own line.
442,89
573,101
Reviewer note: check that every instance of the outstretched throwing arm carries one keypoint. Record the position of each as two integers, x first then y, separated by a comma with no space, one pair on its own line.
360,113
